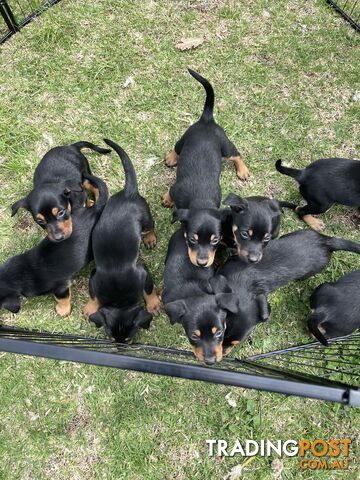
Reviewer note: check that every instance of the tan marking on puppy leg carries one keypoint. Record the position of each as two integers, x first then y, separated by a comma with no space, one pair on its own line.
63,306
171,159
313,222
167,201
91,188
241,169
91,307
149,239
153,302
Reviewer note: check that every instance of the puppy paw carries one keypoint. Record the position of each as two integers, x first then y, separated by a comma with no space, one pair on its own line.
167,200
153,304
242,172
314,223
63,309
91,307
171,159
149,239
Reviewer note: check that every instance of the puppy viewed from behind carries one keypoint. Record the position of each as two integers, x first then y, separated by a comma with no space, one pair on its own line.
49,267
335,308
196,193
295,256
194,298
59,189
324,183
254,222
119,279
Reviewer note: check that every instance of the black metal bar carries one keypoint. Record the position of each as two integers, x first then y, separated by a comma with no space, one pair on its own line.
8,16
17,25
336,393
342,12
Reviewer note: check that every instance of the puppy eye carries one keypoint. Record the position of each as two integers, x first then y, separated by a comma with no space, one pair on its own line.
244,234
192,240
219,333
215,241
61,213
41,222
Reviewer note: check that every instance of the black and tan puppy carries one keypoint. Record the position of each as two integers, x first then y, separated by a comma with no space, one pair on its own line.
295,256
335,308
119,280
58,189
196,193
324,183
49,267
255,221
197,300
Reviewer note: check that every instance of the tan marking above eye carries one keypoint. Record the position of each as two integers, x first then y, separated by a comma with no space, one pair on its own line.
213,236
54,211
40,216
250,232
234,228
69,206
214,330
196,236
197,333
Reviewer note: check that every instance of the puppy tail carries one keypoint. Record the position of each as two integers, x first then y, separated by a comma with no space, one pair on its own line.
96,148
313,325
131,185
290,205
336,244
291,172
207,115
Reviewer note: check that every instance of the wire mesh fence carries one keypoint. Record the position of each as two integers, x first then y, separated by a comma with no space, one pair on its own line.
349,9
309,370
15,14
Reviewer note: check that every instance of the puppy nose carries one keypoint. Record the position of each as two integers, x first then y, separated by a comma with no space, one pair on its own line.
58,236
210,360
202,262
253,258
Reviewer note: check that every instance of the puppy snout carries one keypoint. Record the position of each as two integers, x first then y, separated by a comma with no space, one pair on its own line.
255,257
202,262
58,236
210,360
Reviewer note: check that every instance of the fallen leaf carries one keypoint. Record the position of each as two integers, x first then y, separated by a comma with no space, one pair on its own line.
129,81
189,43
230,400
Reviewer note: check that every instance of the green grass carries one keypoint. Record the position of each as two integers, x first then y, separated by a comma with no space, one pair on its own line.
285,86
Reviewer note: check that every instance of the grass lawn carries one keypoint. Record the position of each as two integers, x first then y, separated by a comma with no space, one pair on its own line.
285,75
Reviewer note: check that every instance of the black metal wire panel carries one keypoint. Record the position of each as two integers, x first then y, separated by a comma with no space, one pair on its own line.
349,9
15,14
262,372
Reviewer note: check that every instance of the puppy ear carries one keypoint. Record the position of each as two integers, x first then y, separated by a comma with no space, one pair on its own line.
143,319
236,203
227,301
219,284
12,304
97,318
275,207
181,214
175,310
22,203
